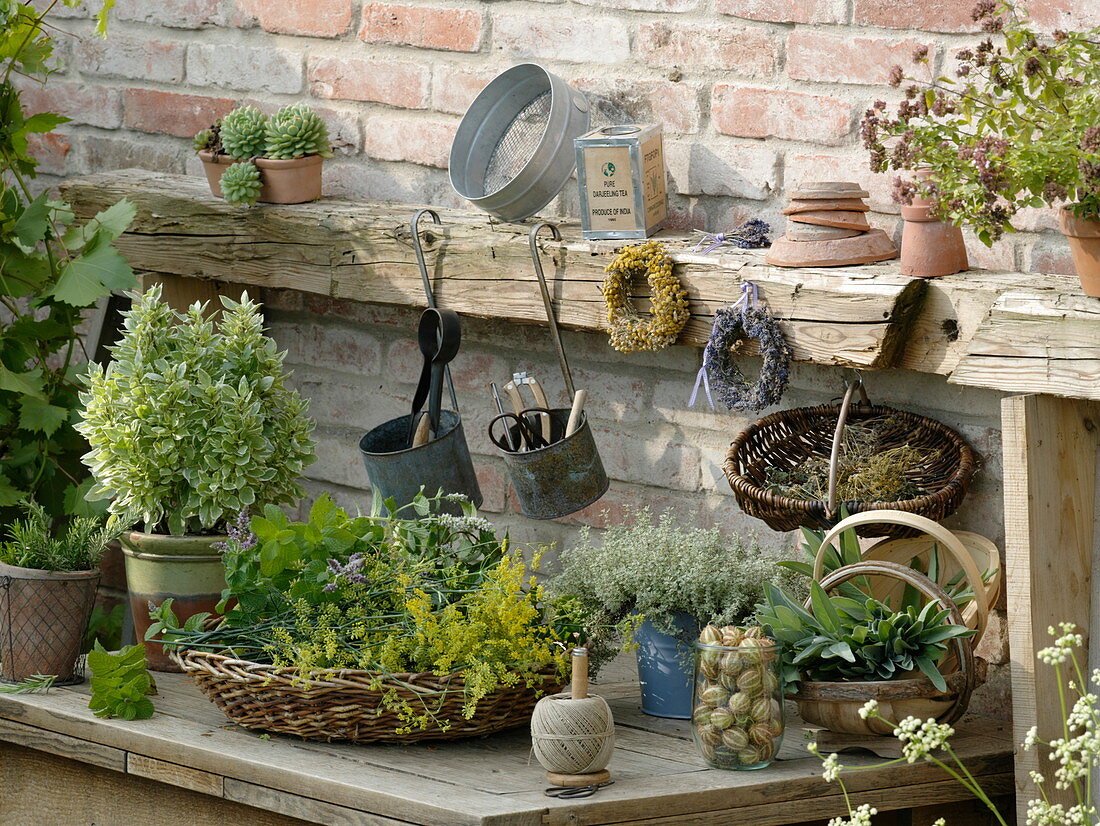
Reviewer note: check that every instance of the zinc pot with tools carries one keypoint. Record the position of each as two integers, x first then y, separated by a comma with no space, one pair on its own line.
186,569
43,616
290,181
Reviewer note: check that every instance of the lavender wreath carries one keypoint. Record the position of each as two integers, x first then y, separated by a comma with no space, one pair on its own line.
730,385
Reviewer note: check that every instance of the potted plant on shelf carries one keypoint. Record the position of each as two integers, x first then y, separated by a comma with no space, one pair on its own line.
250,157
414,624
189,423
666,580
48,581
1016,127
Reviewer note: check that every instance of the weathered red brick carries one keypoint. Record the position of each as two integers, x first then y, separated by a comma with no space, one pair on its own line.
312,18
132,57
150,110
674,6
50,150
83,102
771,113
1070,15
831,58
259,68
429,27
784,11
454,88
1050,254
723,167
577,39
177,14
749,52
675,105
927,15
419,140
396,82
814,166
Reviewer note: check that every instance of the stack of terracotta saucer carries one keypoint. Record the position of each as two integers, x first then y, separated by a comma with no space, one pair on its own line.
827,227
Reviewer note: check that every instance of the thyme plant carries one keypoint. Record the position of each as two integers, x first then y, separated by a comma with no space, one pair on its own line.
52,269
192,421
1015,126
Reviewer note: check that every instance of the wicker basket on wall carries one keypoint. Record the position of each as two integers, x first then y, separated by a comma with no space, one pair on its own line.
347,704
786,439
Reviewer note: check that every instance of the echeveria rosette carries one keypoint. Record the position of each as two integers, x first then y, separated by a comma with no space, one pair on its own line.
1015,127
241,183
191,422
296,131
243,133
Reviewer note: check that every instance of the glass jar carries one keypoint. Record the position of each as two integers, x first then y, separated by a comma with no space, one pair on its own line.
737,709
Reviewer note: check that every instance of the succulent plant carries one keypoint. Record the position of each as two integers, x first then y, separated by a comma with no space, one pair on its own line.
203,140
241,183
244,133
296,131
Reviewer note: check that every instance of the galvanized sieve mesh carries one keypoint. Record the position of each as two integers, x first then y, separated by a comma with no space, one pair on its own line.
518,144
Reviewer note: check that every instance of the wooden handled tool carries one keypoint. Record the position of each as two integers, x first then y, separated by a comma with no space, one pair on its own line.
575,413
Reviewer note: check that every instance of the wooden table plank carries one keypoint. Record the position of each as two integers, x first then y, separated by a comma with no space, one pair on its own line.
52,742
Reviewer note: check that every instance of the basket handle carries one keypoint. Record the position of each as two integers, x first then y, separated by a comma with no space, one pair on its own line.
838,438
963,650
927,526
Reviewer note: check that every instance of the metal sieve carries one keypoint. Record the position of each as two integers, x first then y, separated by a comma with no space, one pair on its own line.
513,151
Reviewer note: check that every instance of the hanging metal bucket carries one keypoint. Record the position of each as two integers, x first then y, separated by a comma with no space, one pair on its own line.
399,471
563,477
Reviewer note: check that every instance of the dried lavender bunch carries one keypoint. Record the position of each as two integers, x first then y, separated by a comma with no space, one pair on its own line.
1015,127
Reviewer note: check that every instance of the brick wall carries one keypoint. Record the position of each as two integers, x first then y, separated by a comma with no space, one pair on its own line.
755,95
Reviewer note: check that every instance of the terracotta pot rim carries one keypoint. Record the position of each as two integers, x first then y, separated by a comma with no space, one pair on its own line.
19,572
206,156
1075,227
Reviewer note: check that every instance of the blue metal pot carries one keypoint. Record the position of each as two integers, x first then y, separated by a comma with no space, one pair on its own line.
666,668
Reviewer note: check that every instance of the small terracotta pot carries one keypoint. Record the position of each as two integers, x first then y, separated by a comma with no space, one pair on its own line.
43,616
293,181
929,247
186,569
1084,243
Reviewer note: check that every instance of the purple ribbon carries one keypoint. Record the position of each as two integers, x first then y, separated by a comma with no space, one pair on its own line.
713,241
750,297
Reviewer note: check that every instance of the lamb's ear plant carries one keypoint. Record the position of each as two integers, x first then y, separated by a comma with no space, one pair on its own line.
192,421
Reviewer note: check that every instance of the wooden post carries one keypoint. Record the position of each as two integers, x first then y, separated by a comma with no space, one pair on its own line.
1050,455
181,292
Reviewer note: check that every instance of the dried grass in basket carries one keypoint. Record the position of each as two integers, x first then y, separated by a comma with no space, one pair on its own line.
786,439
347,704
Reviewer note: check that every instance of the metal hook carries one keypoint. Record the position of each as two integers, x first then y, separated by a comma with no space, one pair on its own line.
533,239
414,227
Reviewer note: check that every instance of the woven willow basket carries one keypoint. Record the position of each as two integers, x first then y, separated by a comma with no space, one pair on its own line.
786,439
343,705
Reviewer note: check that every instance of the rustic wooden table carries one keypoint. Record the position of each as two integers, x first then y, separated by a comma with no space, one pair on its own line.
61,766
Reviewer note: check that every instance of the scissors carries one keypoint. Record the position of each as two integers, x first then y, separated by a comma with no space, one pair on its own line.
522,424
512,388
573,792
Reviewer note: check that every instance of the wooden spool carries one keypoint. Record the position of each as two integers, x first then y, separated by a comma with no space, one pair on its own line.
836,705
573,734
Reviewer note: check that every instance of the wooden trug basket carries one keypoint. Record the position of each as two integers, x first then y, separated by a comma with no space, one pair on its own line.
835,705
788,438
346,704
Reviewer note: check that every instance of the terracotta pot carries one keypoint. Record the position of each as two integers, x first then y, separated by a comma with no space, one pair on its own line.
1084,243
929,248
43,616
293,181
186,569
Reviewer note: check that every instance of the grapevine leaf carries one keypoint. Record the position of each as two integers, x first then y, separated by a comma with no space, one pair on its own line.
41,416
28,383
87,278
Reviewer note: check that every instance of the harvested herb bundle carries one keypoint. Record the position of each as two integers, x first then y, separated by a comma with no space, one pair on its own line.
867,470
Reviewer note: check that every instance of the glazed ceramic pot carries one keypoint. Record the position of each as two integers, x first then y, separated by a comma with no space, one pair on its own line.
929,247
666,667
43,616
293,181
1084,243
186,569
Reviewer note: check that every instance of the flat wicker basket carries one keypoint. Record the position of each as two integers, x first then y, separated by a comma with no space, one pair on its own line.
346,704
788,438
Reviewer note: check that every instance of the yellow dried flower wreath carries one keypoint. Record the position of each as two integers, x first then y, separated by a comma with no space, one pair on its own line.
628,330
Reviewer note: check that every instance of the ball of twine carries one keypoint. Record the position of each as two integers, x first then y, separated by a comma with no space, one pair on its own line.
573,736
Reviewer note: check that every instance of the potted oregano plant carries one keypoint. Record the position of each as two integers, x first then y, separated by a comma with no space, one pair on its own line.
190,423
250,157
48,580
1016,126
667,580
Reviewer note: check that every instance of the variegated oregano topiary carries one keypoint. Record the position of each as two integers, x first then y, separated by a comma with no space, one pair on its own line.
244,133
296,131
191,422
241,183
